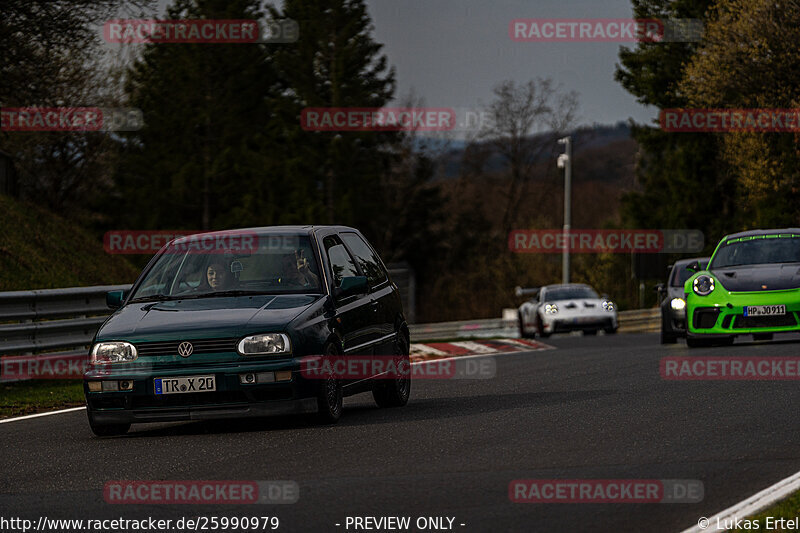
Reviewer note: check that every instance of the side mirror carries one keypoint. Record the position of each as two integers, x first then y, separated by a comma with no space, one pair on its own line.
352,285
694,266
114,299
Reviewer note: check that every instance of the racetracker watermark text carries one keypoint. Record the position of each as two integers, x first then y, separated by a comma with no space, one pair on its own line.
730,120
544,241
606,491
200,31
64,119
201,492
391,367
47,366
188,241
719,368
605,30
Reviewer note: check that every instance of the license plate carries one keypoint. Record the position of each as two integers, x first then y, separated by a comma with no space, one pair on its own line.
185,385
764,310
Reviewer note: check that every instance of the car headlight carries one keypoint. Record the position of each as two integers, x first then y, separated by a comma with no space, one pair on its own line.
265,344
550,309
113,352
608,306
677,304
703,285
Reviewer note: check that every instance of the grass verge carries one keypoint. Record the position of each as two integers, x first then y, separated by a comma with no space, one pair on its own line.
38,396
788,509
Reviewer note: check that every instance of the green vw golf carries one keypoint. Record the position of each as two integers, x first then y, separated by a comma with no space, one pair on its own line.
751,287
219,324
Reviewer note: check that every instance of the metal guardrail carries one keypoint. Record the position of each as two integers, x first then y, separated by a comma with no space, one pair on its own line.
51,319
67,319
640,321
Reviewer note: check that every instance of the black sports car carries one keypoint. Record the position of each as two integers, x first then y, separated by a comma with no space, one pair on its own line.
673,304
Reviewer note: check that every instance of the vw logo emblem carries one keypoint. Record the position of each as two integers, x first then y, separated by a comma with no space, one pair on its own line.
185,349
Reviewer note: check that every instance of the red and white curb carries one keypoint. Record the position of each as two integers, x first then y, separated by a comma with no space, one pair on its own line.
438,350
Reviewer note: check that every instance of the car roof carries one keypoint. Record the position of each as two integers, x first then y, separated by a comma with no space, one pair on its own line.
272,230
758,232
564,285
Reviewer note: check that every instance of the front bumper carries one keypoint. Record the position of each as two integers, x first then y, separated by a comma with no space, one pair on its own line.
566,323
722,313
231,398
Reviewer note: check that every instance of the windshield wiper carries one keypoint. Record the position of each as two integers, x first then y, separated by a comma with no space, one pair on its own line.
218,294
154,298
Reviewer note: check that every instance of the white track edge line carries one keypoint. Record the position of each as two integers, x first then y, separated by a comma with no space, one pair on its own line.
37,415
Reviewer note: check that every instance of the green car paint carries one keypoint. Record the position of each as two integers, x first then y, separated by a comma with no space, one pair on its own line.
767,284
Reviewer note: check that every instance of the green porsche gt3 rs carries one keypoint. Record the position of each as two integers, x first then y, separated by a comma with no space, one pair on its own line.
751,287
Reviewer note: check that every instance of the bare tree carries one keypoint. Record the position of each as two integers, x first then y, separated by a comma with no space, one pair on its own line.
524,122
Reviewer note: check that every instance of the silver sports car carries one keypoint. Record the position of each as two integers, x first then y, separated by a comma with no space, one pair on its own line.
564,308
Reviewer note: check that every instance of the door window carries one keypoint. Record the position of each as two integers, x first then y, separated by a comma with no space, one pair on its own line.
367,259
342,265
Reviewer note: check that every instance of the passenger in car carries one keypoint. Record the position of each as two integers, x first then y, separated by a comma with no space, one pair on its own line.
295,271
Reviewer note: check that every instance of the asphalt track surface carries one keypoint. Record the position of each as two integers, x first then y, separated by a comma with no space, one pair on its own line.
595,407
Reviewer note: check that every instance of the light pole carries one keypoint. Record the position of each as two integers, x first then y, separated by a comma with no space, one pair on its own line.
565,162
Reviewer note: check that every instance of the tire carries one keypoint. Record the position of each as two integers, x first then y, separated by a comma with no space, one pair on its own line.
329,397
610,331
522,333
589,332
762,336
540,327
668,338
395,392
108,430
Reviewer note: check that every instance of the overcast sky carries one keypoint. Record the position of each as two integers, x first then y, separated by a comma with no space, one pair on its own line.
452,52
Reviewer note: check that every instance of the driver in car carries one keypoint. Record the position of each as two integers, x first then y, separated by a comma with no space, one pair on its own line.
218,277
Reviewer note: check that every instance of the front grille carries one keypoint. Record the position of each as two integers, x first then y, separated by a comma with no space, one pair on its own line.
764,321
199,346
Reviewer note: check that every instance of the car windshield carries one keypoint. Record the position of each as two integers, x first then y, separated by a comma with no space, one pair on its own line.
680,274
197,267
758,250
569,293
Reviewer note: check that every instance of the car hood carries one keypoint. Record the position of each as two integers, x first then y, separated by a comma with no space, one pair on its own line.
759,277
204,318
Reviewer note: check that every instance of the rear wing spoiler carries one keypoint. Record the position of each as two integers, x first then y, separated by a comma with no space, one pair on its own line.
519,292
